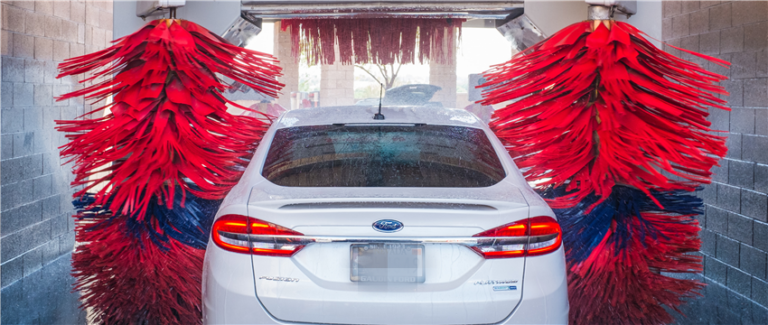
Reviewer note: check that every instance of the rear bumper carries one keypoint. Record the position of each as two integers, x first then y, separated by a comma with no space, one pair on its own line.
229,291
545,291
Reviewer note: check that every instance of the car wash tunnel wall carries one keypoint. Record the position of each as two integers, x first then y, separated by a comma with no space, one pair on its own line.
36,228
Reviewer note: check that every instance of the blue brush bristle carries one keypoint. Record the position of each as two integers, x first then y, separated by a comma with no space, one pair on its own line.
582,232
189,225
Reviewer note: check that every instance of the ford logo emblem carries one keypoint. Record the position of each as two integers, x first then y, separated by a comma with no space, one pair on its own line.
388,225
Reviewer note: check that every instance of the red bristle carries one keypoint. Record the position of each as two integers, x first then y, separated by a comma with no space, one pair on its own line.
592,109
291,25
425,37
169,123
327,41
374,40
360,40
408,41
344,30
129,280
627,285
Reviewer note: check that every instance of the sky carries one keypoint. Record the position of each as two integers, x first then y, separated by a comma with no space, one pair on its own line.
265,41
478,50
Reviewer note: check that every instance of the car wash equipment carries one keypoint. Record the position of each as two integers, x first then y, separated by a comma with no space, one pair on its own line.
152,165
614,131
374,40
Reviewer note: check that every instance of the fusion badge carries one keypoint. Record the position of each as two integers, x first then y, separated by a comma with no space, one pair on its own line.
492,282
278,278
388,225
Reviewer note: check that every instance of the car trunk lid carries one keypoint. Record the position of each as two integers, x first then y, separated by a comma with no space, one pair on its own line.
459,286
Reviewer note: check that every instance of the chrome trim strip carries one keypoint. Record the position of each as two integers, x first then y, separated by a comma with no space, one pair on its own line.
388,205
467,241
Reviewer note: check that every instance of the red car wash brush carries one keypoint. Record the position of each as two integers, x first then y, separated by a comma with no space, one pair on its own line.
615,132
152,171
373,40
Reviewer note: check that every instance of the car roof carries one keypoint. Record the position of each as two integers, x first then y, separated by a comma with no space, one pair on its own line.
364,115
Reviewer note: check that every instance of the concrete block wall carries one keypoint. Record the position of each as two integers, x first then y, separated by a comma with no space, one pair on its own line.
290,67
735,226
337,83
444,76
36,228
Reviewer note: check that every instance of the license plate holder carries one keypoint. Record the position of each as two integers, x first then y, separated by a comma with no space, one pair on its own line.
387,263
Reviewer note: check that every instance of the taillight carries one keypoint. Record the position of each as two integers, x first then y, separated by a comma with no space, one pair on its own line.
240,234
230,232
529,237
546,236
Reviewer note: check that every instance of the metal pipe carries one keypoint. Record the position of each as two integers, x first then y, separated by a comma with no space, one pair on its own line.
488,9
596,12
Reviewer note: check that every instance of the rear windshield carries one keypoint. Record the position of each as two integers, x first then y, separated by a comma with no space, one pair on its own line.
382,156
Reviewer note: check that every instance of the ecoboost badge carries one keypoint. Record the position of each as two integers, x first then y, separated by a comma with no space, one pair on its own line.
504,288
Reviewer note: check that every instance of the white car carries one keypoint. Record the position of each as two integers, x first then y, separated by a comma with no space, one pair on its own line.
419,218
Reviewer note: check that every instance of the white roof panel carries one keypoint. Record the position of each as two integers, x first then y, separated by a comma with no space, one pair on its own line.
364,114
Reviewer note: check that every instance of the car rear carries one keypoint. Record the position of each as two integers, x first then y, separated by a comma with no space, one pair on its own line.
360,223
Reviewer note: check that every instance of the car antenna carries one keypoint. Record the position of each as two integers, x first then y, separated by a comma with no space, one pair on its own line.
378,115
